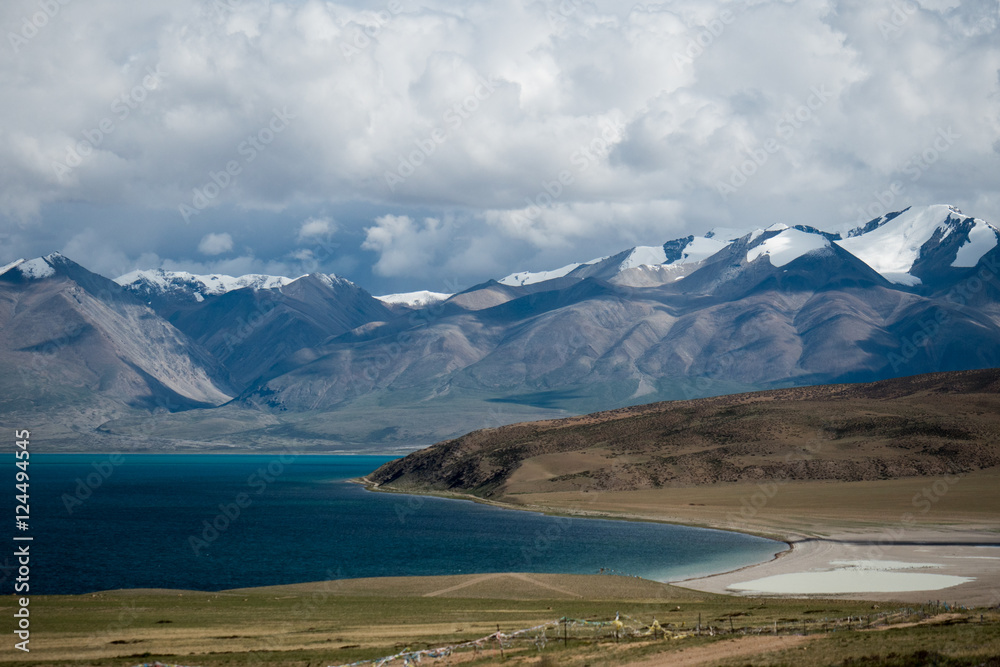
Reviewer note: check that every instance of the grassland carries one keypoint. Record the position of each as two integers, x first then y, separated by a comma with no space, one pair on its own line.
340,622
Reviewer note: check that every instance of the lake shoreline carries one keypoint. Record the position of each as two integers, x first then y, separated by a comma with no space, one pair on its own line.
819,549
212,511
610,516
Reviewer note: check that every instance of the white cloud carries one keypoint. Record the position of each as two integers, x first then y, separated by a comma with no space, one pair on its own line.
406,246
694,89
316,228
215,244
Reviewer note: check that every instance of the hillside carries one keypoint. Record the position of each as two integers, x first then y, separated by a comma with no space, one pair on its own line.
909,427
79,349
319,364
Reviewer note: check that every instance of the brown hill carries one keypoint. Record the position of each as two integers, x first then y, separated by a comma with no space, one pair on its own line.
907,427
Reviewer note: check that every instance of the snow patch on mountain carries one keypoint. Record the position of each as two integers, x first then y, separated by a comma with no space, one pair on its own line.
644,256
787,246
700,248
328,279
159,280
982,239
728,234
16,262
892,248
414,299
529,278
36,269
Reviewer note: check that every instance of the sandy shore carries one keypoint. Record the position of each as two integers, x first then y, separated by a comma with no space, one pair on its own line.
843,536
877,556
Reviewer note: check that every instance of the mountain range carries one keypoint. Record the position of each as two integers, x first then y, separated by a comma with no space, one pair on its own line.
169,359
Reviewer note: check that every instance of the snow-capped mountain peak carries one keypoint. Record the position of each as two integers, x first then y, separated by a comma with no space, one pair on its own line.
419,299
530,277
32,269
8,267
328,279
644,256
893,244
902,246
694,249
181,283
787,245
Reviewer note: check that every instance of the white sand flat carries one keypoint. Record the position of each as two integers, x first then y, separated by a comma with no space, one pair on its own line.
850,580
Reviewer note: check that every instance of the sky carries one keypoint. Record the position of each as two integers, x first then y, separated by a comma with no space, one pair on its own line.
416,144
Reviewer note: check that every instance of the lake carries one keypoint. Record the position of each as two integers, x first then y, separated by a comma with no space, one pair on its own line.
214,522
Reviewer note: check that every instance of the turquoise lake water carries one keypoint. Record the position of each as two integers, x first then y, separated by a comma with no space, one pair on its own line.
214,522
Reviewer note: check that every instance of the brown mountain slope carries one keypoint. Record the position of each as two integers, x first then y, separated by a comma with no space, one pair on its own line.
907,427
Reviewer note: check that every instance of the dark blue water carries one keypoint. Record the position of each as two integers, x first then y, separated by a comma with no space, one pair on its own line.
160,521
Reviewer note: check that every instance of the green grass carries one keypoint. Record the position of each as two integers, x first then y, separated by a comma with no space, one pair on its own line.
949,644
341,623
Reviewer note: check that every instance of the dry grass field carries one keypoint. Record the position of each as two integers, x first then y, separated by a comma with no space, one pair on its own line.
796,507
330,623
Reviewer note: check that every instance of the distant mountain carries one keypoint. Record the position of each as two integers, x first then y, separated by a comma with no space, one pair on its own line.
318,360
926,246
160,285
71,340
414,300
932,247
253,323
641,266
788,305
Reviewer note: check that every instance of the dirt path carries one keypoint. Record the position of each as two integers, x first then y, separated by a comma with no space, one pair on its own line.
724,650
508,575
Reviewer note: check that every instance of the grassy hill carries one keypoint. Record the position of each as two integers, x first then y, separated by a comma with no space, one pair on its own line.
920,426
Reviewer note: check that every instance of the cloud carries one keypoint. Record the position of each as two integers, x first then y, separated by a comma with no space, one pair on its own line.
316,228
405,246
254,113
215,244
